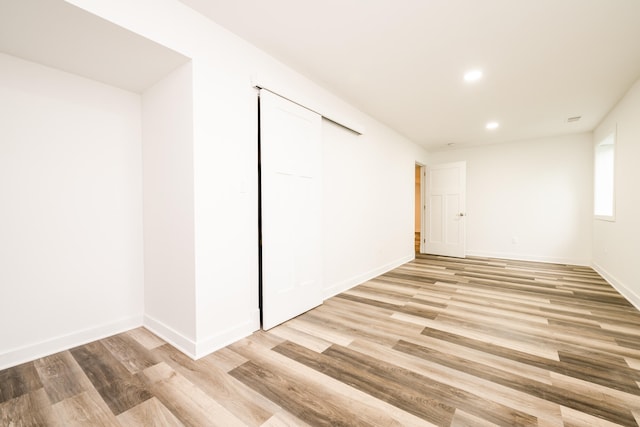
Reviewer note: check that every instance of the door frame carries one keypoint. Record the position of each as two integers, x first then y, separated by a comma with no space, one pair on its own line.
423,204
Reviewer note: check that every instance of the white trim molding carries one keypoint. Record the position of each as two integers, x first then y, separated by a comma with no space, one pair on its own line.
170,335
65,342
534,258
624,290
345,285
208,345
199,348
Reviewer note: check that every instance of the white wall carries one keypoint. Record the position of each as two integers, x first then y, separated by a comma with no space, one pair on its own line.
616,245
71,265
225,169
169,258
538,192
368,201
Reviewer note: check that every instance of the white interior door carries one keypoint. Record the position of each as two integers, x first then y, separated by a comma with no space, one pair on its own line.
446,188
291,192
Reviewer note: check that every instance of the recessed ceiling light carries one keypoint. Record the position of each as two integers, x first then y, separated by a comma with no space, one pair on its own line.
472,75
492,125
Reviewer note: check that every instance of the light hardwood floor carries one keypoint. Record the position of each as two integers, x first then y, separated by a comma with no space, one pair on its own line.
437,341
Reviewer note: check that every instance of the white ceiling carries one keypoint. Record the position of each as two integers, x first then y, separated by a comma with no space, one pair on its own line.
60,35
402,61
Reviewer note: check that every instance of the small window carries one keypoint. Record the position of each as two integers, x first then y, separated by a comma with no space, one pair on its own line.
604,194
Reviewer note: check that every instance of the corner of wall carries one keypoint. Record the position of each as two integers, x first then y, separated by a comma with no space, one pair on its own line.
208,345
170,335
202,347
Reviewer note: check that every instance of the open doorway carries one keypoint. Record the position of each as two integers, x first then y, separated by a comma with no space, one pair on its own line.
418,207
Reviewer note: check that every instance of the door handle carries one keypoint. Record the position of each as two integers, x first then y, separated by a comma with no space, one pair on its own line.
461,214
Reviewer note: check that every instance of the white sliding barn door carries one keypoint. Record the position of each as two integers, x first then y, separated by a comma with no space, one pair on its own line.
446,193
291,192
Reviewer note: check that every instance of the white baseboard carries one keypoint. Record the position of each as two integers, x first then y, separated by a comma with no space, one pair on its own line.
534,258
624,290
344,285
200,348
209,345
170,335
65,342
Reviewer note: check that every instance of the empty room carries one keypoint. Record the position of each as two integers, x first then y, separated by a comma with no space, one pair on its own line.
295,213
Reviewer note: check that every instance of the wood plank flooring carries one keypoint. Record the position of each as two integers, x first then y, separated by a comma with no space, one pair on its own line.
437,341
